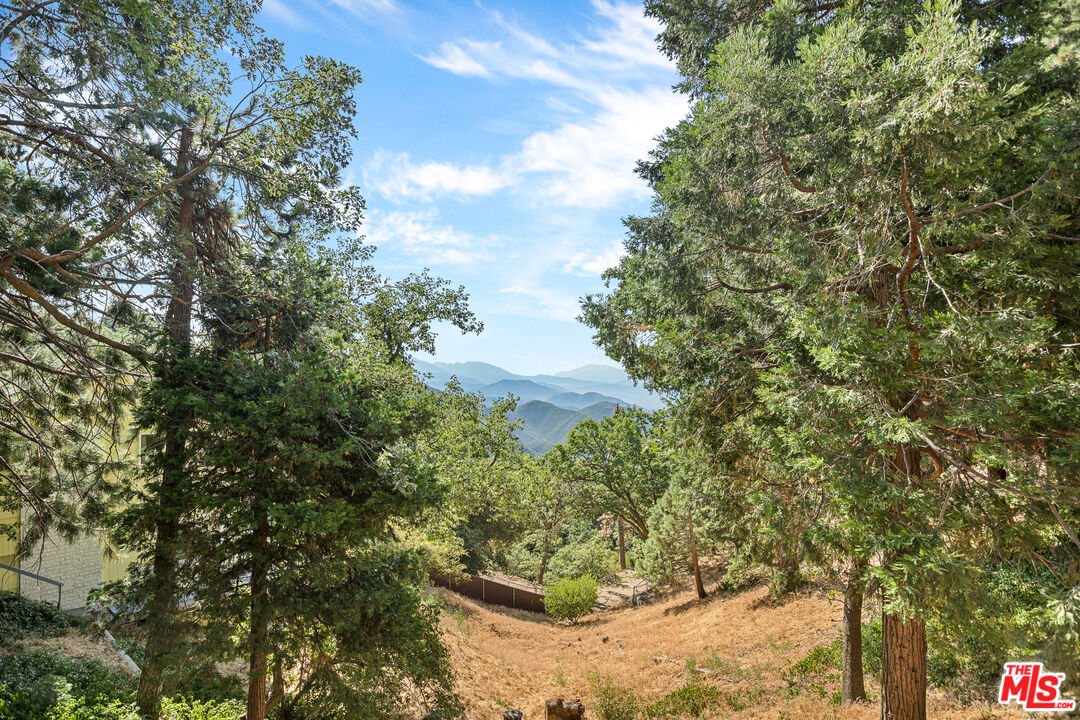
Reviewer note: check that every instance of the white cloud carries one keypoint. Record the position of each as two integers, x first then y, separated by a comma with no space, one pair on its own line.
284,14
631,37
460,59
593,263
417,234
360,7
591,162
614,95
397,177
540,302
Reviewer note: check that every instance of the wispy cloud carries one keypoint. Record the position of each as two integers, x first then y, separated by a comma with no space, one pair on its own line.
396,176
419,235
589,263
363,7
591,162
612,89
540,302
285,14
462,58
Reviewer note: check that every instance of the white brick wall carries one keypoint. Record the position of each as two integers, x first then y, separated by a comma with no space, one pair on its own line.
77,565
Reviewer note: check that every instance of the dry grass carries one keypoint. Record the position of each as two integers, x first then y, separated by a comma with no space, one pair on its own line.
75,644
509,658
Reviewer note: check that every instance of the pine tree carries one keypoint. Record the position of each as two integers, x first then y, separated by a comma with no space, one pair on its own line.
860,262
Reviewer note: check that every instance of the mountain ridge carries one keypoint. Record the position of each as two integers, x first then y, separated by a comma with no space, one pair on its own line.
549,405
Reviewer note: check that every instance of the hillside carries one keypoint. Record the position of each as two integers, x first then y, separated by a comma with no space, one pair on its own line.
742,646
577,401
547,425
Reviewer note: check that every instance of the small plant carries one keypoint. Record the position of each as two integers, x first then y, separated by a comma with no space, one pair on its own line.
809,674
822,659
560,679
571,598
611,701
461,619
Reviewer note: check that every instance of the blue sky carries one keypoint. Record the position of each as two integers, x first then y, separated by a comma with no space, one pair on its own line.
497,142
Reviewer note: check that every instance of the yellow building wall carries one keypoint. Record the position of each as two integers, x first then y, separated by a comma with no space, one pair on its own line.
114,563
9,581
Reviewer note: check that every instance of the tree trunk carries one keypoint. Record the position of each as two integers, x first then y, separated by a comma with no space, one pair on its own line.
277,686
903,668
545,555
787,576
694,560
852,687
903,647
622,547
260,622
163,593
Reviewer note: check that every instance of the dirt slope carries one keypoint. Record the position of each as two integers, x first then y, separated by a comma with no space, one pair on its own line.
508,658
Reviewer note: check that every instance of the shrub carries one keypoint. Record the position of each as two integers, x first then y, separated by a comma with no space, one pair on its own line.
821,660
20,617
592,557
571,598
691,700
80,709
41,678
182,709
611,701
739,575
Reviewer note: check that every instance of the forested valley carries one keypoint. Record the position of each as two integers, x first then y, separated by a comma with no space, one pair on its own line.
854,299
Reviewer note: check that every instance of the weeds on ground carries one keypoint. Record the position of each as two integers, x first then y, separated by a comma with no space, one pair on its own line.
816,673
612,701
691,700
732,670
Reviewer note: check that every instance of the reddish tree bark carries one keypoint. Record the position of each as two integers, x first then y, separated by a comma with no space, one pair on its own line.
903,668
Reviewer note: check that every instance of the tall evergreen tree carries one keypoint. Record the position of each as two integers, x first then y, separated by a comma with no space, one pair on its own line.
861,260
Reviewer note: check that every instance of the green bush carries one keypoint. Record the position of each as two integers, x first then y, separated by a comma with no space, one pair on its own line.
592,557
821,660
611,701
79,709
35,681
182,709
21,618
691,700
44,685
571,598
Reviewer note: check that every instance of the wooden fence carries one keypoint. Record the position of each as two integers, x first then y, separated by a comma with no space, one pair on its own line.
497,591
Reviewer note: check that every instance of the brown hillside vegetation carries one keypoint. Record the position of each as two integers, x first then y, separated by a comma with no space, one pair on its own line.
741,645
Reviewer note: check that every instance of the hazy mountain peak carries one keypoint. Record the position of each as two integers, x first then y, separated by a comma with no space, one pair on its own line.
596,373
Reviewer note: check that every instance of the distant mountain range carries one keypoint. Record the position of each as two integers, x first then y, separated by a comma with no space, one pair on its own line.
550,405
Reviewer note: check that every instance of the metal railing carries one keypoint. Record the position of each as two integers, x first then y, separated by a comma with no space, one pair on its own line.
59,585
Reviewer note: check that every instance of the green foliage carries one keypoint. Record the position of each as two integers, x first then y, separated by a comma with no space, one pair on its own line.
593,557
854,280
816,672
739,575
21,617
618,464
34,681
571,598
690,701
612,701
